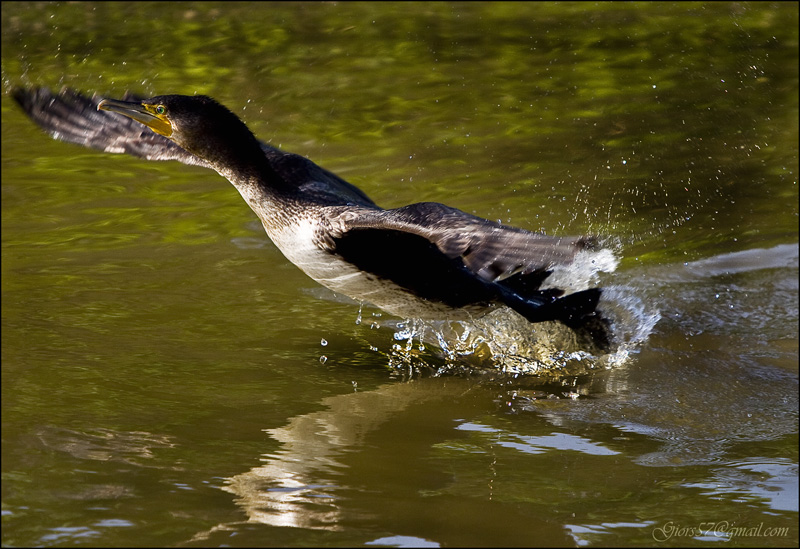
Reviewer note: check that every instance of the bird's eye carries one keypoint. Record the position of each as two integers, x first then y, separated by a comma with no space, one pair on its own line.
161,109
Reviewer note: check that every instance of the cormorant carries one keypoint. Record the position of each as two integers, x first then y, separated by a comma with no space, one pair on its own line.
424,260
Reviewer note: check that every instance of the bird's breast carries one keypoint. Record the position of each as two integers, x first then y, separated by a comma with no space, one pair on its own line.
303,243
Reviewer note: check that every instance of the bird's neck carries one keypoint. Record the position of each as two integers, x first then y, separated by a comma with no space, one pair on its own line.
274,200
241,161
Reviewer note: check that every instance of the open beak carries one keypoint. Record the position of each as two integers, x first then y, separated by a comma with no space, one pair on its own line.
140,112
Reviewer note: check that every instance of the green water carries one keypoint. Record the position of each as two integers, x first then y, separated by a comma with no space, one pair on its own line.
168,378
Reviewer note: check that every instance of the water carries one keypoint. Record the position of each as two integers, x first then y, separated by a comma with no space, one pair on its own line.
170,379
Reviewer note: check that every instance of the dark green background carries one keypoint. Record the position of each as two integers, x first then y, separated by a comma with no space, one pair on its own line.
151,333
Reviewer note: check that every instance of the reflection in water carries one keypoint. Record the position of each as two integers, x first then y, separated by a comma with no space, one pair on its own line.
295,487
301,486
402,541
306,484
105,444
773,481
779,257
541,444
693,409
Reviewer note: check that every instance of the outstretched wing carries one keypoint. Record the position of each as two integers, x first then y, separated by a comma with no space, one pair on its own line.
74,118
444,254
492,251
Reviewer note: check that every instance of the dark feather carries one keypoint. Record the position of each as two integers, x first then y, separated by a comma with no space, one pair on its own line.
432,251
74,118
413,262
488,249
443,254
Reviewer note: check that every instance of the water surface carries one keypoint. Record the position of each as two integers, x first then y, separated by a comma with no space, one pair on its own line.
168,378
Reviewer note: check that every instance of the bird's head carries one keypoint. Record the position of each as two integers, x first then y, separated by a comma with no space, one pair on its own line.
198,124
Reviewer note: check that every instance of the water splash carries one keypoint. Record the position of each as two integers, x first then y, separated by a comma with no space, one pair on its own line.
505,342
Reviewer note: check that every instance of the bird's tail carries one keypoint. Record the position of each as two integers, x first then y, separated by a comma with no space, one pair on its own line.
578,311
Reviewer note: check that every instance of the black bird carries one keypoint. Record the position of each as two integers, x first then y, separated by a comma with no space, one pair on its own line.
424,260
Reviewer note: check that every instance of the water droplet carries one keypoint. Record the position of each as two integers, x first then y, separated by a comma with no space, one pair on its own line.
323,342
